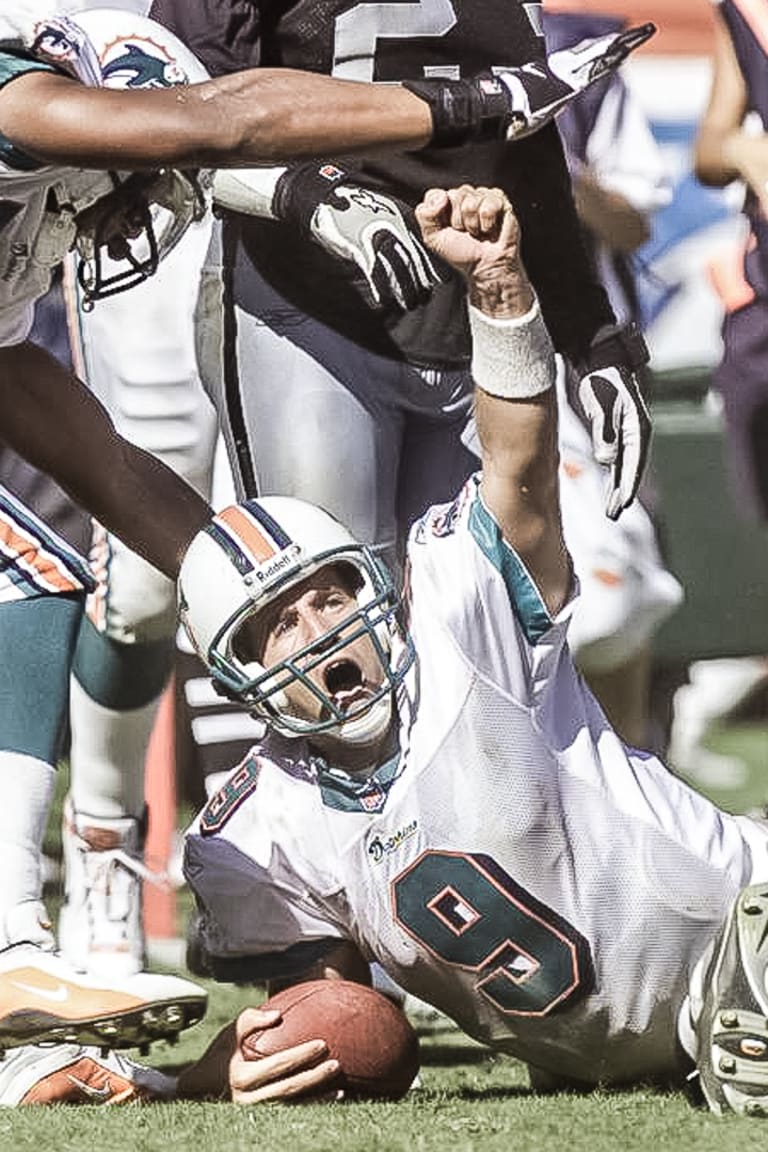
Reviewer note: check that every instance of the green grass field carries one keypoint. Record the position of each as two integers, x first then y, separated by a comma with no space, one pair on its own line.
471,1100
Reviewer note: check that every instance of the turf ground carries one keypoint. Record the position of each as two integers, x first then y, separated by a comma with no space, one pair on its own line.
470,1100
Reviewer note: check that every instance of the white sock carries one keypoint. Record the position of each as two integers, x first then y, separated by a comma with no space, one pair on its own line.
107,756
26,785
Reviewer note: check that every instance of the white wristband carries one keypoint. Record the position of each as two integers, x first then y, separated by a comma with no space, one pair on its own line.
512,358
247,190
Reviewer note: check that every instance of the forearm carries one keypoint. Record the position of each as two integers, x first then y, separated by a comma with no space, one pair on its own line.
516,417
609,215
258,116
52,420
518,438
719,156
574,303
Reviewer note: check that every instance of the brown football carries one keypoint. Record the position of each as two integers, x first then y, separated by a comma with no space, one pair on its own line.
376,1047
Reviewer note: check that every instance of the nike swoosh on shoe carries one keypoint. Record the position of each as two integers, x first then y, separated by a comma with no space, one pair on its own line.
58,995
99,1095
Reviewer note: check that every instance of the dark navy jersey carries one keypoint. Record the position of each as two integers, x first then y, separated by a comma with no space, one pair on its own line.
363,41
748,30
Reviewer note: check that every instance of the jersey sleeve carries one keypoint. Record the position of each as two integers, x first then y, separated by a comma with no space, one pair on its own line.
467,583
259,870
13,64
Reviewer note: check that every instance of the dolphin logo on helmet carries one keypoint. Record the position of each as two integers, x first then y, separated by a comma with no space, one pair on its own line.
141,217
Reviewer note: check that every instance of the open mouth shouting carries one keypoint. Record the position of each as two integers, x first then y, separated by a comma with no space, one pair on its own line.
346,685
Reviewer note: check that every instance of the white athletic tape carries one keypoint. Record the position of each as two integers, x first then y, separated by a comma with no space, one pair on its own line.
512,358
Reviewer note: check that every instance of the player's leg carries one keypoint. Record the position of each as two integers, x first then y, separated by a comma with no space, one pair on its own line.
43,584
42,587
307,413
717,688
138,354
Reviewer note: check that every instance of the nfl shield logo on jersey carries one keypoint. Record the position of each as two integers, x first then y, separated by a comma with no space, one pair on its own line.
373,798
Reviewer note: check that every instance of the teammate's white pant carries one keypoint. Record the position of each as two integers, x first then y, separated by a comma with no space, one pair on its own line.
626,592
138,355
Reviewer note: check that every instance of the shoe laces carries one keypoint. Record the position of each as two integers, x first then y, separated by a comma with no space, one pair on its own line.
112,876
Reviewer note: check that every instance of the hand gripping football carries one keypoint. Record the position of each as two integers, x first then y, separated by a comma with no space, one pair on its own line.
371,1038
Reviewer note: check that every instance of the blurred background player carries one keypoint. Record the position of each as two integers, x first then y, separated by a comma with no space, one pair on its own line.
619,179
732,144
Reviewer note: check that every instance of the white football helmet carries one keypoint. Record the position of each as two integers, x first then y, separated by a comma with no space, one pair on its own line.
116,48
246,557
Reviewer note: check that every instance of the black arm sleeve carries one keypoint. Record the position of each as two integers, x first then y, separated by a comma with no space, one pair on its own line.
574,303
292,962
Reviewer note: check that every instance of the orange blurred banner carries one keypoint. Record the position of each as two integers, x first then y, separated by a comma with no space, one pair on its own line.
684,26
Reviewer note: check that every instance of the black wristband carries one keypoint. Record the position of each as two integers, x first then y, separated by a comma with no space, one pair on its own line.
616,345
301,188
462,110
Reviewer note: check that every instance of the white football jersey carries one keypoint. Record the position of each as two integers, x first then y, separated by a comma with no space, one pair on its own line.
37,209
516,865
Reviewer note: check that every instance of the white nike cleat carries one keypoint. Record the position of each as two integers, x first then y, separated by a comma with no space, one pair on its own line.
71,1074
42,998
100,924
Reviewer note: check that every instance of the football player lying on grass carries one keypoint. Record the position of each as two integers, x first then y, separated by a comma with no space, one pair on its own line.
437,789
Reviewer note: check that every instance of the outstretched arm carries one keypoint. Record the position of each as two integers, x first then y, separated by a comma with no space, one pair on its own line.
245,118
264,115
51,419
476,231
223,1071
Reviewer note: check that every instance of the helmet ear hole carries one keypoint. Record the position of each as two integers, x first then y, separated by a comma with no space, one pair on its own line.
249,638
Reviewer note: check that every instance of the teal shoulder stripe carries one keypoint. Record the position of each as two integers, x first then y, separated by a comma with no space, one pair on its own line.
14,64
523,594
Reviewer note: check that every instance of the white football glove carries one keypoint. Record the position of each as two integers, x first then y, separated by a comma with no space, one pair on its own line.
370,230
612,399
539,90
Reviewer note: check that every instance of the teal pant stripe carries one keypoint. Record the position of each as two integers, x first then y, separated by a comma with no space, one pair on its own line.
121,676
37,641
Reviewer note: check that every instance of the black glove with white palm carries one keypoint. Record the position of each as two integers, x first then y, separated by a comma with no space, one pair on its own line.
611,395
374,232
517,101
